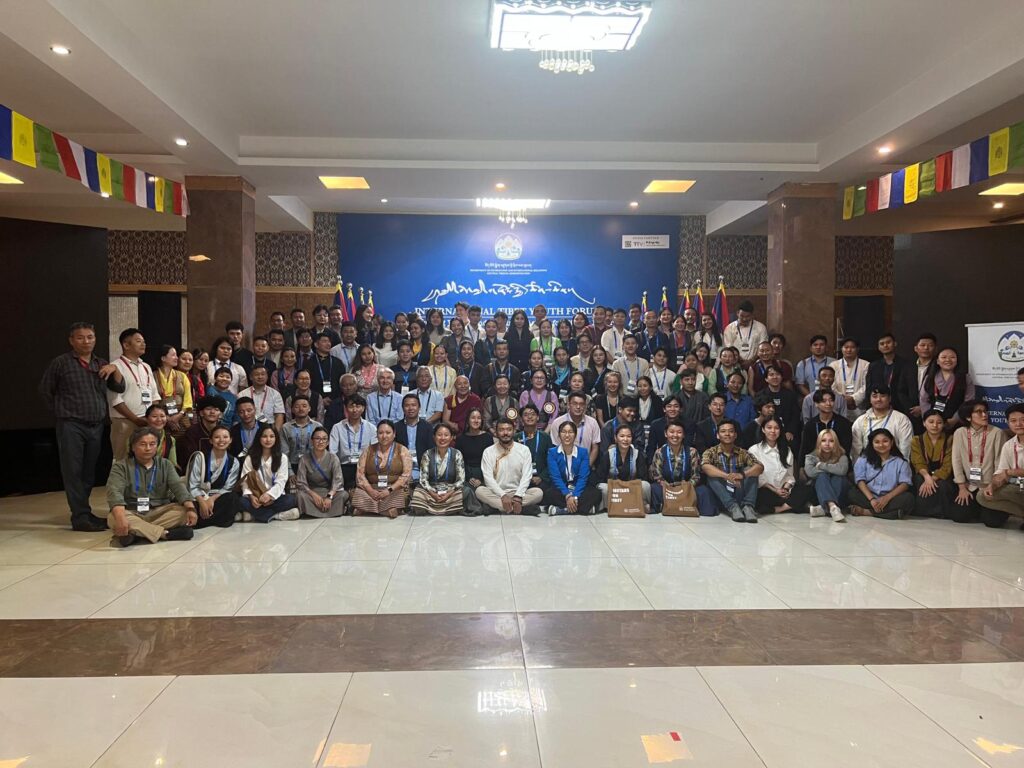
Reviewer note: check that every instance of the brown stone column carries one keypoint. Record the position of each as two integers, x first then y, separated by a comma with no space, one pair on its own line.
802,263
221,226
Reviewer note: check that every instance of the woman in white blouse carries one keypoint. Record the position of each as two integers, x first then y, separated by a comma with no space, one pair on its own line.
264,477
211,478
385,346
777,489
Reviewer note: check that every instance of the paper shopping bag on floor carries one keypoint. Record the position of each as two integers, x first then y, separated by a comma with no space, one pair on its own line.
680,500
625,498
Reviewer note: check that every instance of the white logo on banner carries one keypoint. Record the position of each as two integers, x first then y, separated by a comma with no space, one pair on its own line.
1011,347
508,247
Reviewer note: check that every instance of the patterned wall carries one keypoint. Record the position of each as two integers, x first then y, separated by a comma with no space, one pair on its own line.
145,258
864,263
741,259
283,258
325,249
692,249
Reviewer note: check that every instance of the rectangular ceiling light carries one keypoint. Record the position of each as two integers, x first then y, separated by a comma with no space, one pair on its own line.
513,203
1009,188
567,25
5,179
669,186
344,182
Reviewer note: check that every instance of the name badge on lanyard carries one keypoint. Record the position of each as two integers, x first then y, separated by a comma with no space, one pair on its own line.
939,404
171,406
326,387
146,397
974,475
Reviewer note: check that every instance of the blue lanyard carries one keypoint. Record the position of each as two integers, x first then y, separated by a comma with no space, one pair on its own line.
224,468
376,460
405,379
330,369
536,441
618,461
391,406
855,369
569,477
468,374
871,422
732,466
247,436
348,434
448,466
138,480
819,426
625,364
660,384
684,454
433,370
430,394
319,469
308,429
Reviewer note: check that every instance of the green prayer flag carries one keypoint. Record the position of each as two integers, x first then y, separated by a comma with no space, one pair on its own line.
860,198
168,197
927,178
46,149
1016,153
116,180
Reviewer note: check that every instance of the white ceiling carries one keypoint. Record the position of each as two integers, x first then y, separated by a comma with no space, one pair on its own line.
739,95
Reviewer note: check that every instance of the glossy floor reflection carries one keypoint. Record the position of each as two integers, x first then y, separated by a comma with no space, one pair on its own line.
761,717
503,564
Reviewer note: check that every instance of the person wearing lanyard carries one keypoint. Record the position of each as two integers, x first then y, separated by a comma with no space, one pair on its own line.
651,339
476,373
732,475
325,370
674,463
127,409
826,378
211,478
623,461
220,359
348,350
883,480
269,403
298,432
707,429
319,481
442,478
405,369
413,432
442,375
350,436
745,333
244,432
825,417
264,477
1005,495
538,442
569,468
146,497
806,376
611,339
881,416
976,449
662,377
931,458
500,366
486,347
889,370
851,373
384,403
588,431
630,366
431,401
74,387
383,475
545,342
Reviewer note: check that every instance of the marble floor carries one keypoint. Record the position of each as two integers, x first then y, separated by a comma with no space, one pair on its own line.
554,642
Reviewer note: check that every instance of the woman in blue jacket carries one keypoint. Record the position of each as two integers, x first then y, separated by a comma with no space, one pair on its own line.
569,466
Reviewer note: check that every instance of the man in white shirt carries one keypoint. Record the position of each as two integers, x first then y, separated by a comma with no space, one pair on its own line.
473,329
588,431
612,339
298,433
385,403
268,401
882,416
539,313
826,378
805,377
347,350
128,408
851,377
581,361
431,401
745,333
1005,495
630,366
507,467
350,436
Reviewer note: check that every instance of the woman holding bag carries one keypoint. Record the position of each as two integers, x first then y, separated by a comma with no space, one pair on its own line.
625,463
675,464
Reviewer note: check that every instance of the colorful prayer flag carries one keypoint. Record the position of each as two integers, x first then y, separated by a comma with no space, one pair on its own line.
911,180
72,158
117,180
961,175
979,160
664,297
998,151
872,196
721,307
179,198
884,187
896,188
698,301
103,167
944,171
91,170
1015,150
848,195
141,188
168,196
158,194
926,180
46,150
860,197
23,140
6,134
151,193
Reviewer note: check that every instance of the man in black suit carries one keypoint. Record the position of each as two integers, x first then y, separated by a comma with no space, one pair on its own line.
887,371
707,430
422,433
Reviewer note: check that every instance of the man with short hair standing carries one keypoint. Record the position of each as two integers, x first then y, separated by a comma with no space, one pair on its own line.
74,387
127,408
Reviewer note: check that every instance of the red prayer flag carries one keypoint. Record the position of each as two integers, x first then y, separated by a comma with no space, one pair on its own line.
129,183
67,157
177,198
944,171
871,201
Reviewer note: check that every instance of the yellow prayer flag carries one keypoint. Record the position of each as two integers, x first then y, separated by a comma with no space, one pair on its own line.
103,169
23,144
998,151
848,195
159,195
911,181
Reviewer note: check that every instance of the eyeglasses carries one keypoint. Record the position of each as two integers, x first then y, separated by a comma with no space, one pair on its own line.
320,439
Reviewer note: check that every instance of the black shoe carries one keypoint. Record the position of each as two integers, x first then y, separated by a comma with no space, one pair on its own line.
181,533
90,524
127,540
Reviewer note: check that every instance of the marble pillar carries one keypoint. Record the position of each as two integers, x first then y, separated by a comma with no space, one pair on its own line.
801,263
222,227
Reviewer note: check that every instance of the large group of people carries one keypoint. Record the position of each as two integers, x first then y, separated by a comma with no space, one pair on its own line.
519,416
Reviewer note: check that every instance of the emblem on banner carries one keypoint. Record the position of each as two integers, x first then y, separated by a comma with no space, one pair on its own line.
508,247
1010,347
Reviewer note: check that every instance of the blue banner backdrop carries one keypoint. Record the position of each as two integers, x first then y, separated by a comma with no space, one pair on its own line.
567,263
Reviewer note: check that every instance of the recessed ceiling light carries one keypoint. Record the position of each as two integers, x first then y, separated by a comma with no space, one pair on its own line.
998,205
383,199
885,149
1009,188
151,179
669,186
181,142
500,185
634,204
199,257
513,204
60,50
8,179
104,194
344,182
861,188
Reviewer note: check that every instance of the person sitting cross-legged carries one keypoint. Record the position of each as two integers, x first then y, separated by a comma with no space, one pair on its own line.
732,474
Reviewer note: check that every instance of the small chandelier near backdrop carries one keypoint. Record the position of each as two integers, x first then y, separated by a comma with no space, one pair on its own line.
513,211
567,32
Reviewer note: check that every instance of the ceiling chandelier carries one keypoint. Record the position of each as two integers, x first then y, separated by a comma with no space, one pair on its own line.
567,32
512,211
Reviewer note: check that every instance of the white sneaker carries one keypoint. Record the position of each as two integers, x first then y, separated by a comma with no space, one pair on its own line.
836,512
246,517
238,517
816,511
288,514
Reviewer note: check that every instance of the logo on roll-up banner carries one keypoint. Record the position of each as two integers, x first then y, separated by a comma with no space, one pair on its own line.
508,247
1010,347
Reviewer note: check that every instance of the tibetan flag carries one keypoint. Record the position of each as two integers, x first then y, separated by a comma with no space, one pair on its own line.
979,160
128,183
860,196
698,301
72,158
46,149
117,180
1015,152
6,133
911,181
848,195
896,188
351,303
23,140
664,297
179,198
158,193
339,299
961,175
92,173
884,186
944,172
370,305
150,198
998,151
872,196
362,296
168,196
684,302
721,307
926,182
103,166
643,303
142,188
